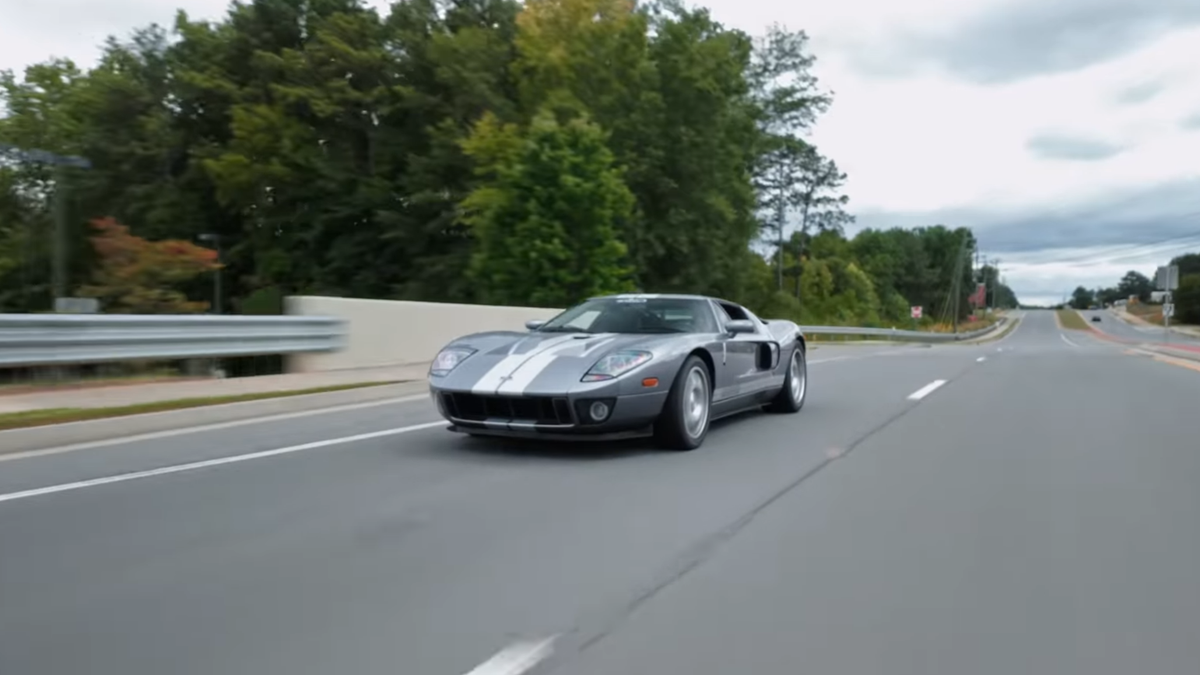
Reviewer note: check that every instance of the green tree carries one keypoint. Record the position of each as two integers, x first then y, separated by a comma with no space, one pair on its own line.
1187,300
457,61
689,162
547,217
819,199
1188,263
39,114
787,100
1135,283
999,295
1082,298
340,151
776,180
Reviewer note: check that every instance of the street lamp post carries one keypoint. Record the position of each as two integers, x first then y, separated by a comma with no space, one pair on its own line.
216,242
61,163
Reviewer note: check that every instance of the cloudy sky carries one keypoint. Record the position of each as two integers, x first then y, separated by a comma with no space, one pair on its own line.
1065,132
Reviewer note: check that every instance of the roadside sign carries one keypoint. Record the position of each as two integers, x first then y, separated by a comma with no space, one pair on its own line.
1167,278
916,312
76,305
1168,309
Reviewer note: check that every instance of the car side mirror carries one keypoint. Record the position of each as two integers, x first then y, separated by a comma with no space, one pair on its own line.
534,324
739,326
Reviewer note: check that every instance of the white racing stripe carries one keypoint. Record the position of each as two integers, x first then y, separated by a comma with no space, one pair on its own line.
493,378
516,659
926,390
193,466
527,372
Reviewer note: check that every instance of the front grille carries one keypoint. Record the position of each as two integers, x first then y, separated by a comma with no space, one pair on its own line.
536,409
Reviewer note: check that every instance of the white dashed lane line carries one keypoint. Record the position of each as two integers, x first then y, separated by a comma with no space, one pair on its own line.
516,659
926,390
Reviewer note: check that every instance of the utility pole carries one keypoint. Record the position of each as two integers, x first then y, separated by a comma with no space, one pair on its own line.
995,284
216,240
983,279
61,209
780,216
1167,279
59,268
958,264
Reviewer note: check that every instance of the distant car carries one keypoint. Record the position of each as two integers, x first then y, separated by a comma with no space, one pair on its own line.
1095,318
622,366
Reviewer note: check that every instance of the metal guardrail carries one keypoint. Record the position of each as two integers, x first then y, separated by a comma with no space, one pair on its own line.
57,339
897,334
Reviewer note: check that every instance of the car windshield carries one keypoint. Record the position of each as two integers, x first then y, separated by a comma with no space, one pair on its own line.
635,315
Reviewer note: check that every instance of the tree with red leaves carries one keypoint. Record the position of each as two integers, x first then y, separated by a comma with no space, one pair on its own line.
136,276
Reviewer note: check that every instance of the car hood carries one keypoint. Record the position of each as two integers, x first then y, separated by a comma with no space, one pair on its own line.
518,363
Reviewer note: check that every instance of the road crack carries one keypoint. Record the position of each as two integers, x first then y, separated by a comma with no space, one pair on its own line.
580,638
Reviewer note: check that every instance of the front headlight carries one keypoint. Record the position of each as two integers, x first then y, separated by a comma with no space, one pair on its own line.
448,359
615,365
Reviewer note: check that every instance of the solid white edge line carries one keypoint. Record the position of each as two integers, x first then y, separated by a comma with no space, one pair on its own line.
926,390
192,466
215,426
1067,340
516,658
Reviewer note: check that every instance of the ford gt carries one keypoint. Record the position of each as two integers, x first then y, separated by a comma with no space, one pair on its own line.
622,366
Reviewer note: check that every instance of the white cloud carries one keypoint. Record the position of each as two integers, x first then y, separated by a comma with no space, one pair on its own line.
925,143
932,144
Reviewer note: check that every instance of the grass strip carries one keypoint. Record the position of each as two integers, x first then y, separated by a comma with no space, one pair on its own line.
1070,319
38,418
1012,325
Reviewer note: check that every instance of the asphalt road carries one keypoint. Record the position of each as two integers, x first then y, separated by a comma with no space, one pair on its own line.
1117,328
1034,513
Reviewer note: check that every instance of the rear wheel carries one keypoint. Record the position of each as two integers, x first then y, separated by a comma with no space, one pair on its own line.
683,423
795,385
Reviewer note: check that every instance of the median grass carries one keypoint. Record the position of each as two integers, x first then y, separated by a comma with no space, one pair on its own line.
45,417
1069,318
999,335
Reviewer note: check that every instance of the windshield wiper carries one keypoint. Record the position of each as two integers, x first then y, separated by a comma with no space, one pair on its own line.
562,329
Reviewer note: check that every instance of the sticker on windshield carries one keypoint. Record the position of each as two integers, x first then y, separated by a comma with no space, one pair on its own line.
633,298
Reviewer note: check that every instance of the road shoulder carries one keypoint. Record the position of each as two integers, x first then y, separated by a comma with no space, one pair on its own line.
37,438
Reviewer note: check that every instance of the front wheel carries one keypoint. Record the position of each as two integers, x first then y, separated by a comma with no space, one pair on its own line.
683,423
795,385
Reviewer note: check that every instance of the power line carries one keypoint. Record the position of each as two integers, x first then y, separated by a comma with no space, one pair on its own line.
1147,251
1126,251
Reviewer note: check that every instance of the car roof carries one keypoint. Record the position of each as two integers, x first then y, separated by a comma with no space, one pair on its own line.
665,296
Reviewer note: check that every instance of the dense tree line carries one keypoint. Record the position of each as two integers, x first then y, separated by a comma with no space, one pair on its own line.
480,151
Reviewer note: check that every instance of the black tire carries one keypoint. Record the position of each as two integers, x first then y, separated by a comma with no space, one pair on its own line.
671,430
790,399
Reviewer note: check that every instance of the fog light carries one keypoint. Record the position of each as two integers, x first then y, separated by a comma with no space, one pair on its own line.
599,411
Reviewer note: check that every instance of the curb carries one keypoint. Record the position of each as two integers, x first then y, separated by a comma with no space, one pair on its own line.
29,439
1002,329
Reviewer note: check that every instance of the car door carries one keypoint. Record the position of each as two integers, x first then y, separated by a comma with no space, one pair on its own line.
740,376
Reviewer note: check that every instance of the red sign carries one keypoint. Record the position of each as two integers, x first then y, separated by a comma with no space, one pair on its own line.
979,297
916,312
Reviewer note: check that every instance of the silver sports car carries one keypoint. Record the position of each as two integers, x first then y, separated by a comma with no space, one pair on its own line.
622,366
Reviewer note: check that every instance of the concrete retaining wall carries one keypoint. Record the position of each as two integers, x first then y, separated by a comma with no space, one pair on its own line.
384,333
